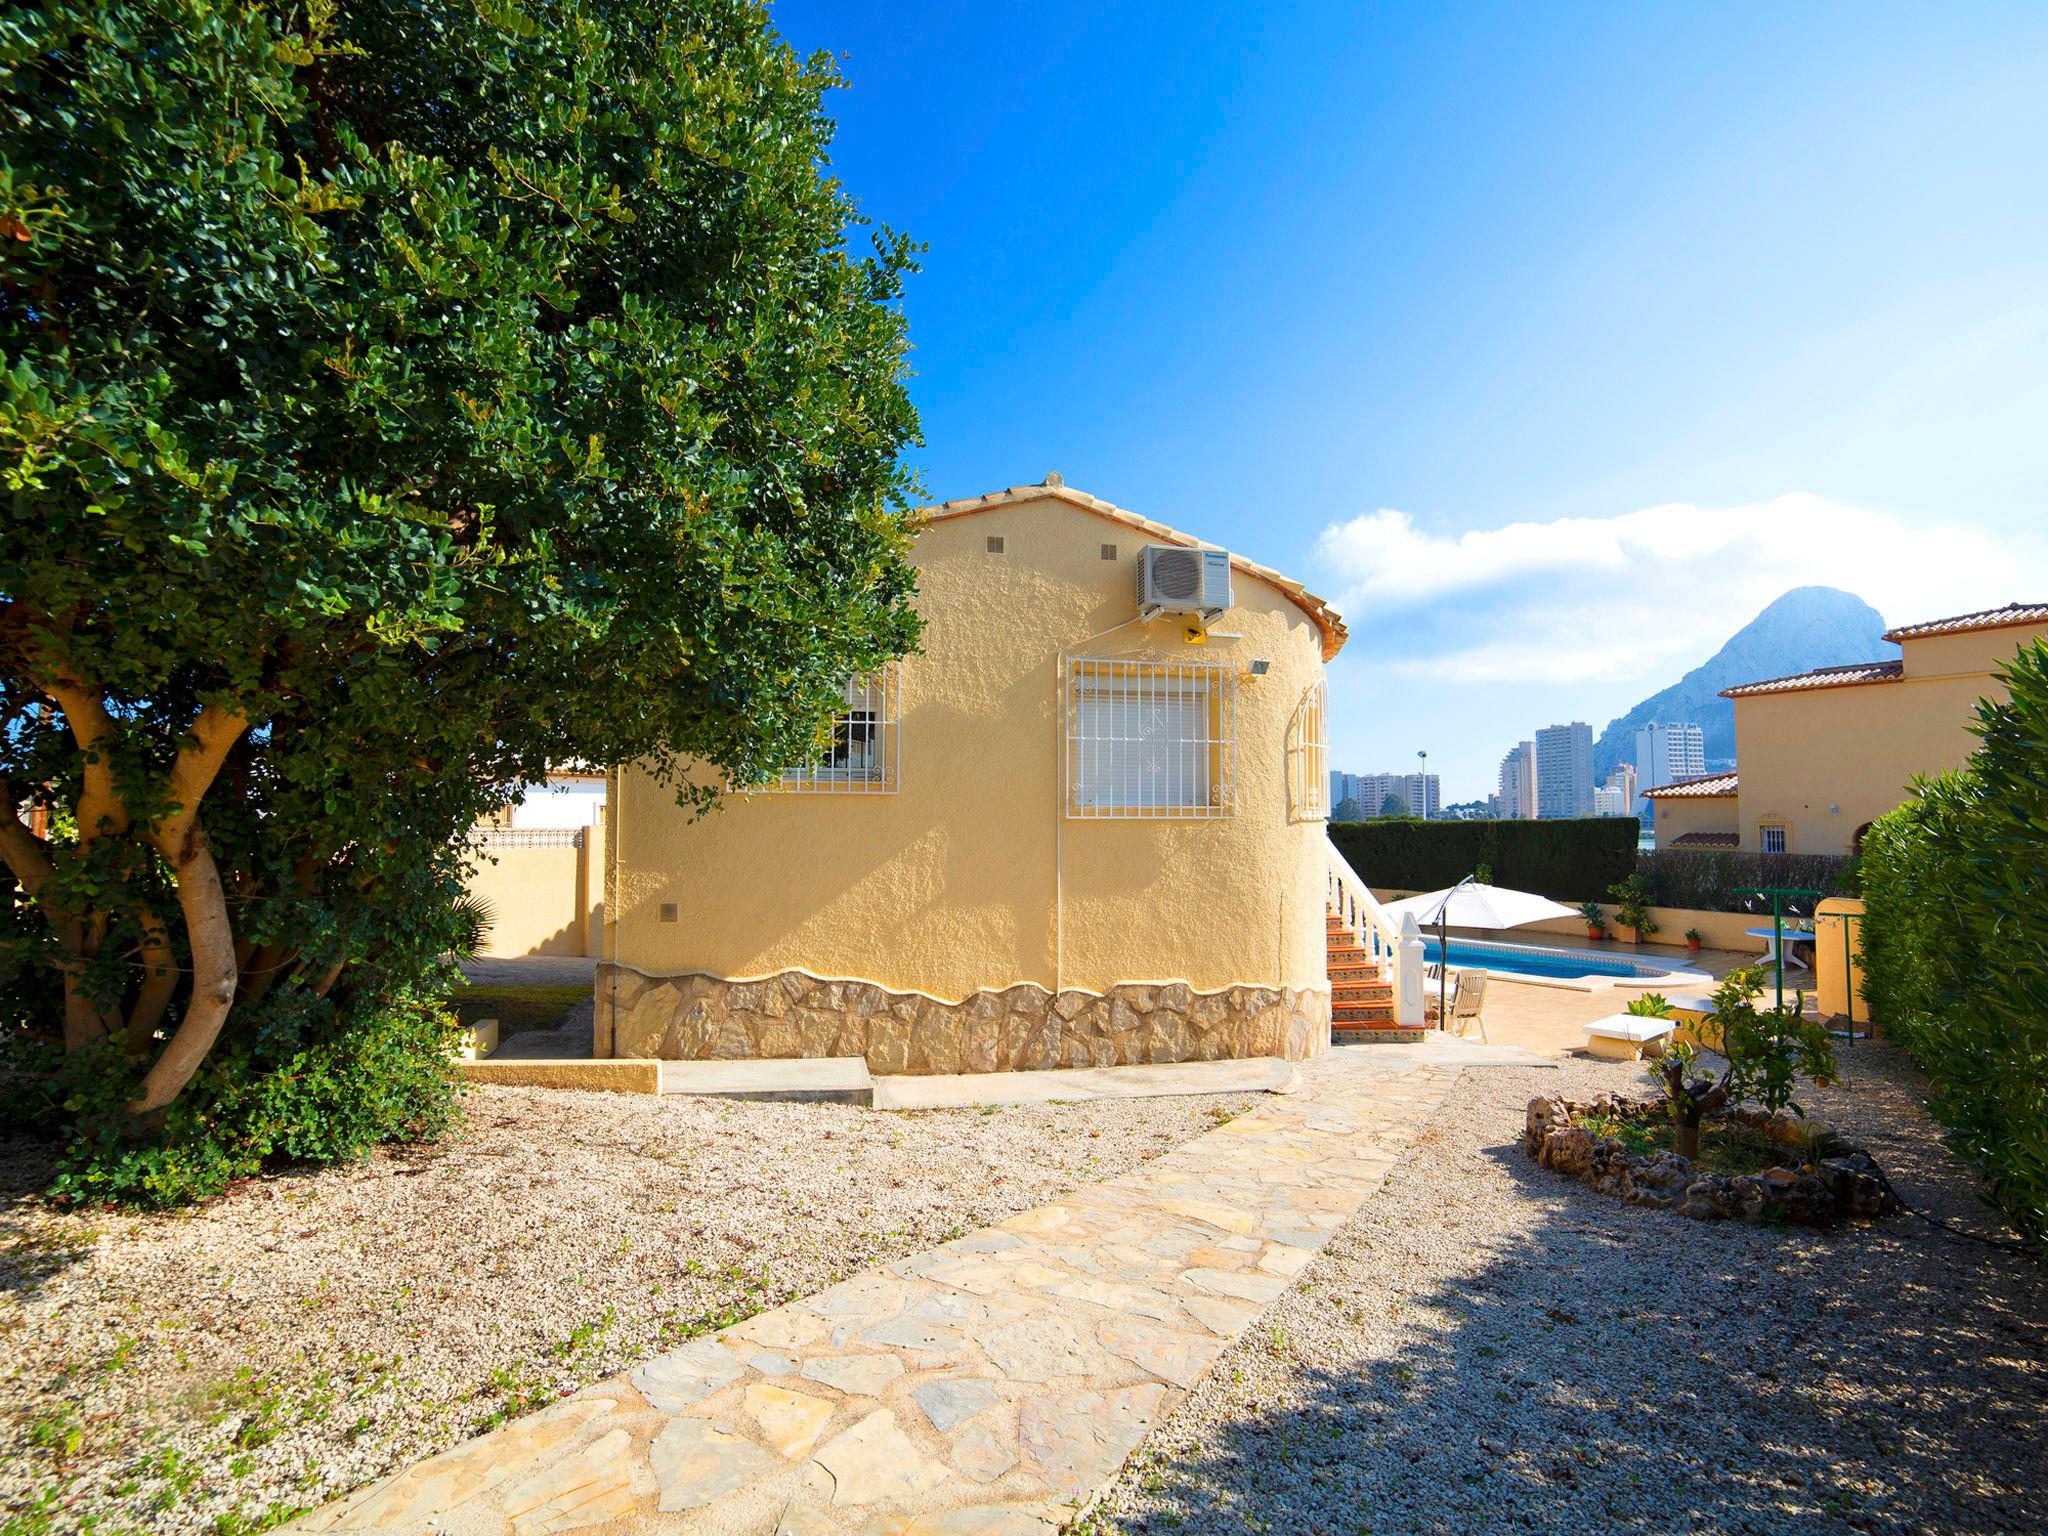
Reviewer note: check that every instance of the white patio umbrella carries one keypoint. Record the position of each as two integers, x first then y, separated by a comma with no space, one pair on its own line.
1469,904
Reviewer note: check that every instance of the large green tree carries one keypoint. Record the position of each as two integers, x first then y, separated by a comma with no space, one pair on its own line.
396,398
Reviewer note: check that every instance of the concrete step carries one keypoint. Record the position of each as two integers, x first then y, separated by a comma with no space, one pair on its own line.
1382,1035
791,1080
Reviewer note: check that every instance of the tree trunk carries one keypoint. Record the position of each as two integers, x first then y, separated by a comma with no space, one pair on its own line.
1688,1137
159,986
214,974
84,1024
209,931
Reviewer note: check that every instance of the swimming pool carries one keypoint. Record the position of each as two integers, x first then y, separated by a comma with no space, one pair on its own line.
1528,960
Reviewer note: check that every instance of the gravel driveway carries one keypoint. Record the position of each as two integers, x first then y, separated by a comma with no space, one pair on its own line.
307,1333
1491,1347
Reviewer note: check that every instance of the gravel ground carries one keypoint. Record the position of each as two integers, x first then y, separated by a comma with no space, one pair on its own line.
1492,1347
307,1333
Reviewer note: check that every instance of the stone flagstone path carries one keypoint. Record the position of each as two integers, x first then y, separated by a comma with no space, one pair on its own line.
988,1387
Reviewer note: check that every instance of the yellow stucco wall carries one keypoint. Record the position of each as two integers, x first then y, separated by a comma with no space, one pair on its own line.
543,900
970,877
1823,762
1675,818
1838,958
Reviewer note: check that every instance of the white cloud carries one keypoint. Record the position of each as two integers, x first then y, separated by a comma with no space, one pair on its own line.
1647,593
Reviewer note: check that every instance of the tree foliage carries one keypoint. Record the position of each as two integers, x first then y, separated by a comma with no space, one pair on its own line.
396,399
1955,941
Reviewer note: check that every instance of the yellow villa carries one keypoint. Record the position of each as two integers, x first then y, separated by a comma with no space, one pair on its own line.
1084,825
1823,754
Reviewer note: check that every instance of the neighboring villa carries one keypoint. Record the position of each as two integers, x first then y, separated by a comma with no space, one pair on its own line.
1825,753
1084,825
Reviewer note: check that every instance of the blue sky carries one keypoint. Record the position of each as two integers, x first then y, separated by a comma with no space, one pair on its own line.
1552,343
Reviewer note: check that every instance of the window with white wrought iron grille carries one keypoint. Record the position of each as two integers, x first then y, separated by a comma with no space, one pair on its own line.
1308,757
865,751
1150,739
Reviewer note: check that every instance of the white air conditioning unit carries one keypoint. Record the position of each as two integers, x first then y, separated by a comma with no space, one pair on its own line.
1172,580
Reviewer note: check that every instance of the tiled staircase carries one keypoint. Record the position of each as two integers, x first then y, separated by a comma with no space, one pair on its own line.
1361,999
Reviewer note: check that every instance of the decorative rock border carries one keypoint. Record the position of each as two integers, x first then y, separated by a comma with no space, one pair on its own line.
1840,1180
1023,1028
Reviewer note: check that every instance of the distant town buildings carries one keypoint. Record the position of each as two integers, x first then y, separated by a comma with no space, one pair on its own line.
1517,797
1668,754
1564,771
1623,778
1420,794
1609,800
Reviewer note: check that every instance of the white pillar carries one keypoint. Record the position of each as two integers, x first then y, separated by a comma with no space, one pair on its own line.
1408,975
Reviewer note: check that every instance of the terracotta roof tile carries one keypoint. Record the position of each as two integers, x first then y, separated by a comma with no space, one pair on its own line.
1822,677
1988,618
1713,787
1327,618
1696,840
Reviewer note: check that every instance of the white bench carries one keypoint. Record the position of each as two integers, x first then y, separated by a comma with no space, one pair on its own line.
1627,1037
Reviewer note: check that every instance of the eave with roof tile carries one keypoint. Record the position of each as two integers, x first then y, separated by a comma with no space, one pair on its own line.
1855,674
1715,786
1987,618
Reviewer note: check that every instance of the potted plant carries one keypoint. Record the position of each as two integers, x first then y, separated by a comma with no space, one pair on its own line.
1596,920
1693,941
1632,907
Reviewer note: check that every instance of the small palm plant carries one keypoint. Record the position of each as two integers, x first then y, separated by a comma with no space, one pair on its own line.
474,917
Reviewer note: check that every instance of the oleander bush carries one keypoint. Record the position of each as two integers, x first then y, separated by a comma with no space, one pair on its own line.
1955,942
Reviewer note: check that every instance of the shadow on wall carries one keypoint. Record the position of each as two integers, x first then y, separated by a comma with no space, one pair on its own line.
1620,1370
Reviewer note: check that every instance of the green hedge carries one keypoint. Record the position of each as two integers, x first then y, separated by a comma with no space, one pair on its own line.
1955,943
1707,882
1570,861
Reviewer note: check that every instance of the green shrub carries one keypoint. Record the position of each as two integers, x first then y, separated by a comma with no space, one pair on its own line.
303,1081
1707,882
1766,1051
1564,860
1955,942
1631,898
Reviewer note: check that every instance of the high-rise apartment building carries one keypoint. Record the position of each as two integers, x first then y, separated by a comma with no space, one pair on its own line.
1668,754
1419,793
1518,783
1623,778
1564,771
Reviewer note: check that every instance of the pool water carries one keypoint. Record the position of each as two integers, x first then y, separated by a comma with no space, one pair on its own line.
1530,961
